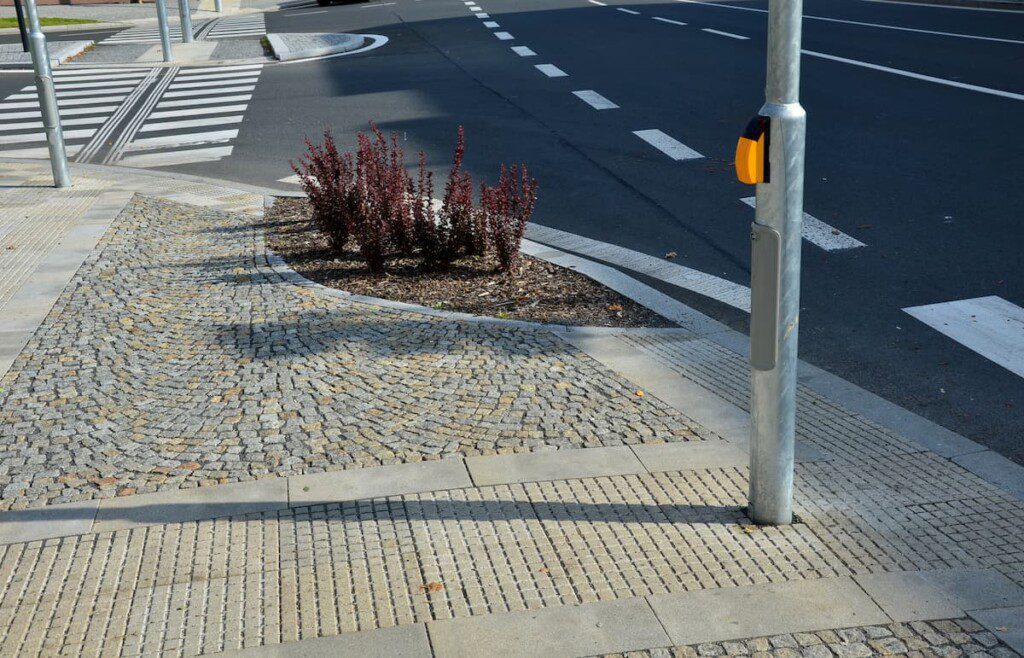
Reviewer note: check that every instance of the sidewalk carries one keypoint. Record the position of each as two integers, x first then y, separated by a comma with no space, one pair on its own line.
201,452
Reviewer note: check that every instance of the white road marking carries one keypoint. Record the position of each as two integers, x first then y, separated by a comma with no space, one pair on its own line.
882,26
482,15
551,71
64,103
9,126
206,70
64,111
523,51
76,73
41,151
85,133
627,11
990,326
918,76
189,102
294,179
595,100
208,92
724,34
667,145
819,233
179,140
475,8
194,111
177,157
213,83
921,4
75,94
93,84
239,26
504,36
190,123
491,24
722,290
598,3
217,76
668,20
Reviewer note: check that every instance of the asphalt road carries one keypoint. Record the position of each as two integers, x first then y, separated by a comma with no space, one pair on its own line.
924,170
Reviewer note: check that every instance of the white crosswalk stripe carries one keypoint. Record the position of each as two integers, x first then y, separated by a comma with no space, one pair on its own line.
147,34
196,119
251,25
87,98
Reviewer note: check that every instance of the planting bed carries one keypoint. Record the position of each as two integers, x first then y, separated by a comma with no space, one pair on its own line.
536,290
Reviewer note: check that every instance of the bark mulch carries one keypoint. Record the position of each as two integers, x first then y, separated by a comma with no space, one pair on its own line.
538,291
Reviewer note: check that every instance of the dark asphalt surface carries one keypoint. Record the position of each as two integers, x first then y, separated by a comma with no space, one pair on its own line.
927,175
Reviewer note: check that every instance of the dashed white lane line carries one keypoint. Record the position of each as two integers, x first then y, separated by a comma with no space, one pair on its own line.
491,24
595,100
882,26
482,15
523,51
628,11
667,145
551,71
504,36
668,20
598,3
709,285
819,233
990,326
918,76
475,8
724,34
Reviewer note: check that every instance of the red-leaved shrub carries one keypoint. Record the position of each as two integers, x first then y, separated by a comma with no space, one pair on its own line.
383,222
505,209
327,178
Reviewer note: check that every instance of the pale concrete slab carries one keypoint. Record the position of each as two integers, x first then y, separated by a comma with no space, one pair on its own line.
61,520
691,455
923,595
192,504
994,468
773,609
395,642
378,482
583,630
553,465
1006,623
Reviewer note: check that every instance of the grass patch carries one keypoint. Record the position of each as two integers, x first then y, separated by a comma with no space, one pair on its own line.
12,21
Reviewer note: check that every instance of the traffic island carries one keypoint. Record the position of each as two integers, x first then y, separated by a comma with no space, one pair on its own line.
289,46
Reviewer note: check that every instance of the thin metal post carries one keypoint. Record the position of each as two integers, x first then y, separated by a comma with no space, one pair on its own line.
47,97
217,5
779,214
22,29
186,21
165,34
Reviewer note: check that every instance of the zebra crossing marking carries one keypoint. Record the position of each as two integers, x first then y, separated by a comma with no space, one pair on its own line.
145,34
87,100
183,125
251,25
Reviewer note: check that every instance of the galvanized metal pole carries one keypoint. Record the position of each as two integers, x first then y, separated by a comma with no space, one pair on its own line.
22,29
775,287
165,34
217,6
186,21
47,97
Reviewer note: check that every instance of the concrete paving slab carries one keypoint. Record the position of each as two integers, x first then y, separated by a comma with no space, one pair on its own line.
287,46
773,609
994,468
47,522
192,504
1006,623
924,595
583,630
378,482
553,465
691,455
395,642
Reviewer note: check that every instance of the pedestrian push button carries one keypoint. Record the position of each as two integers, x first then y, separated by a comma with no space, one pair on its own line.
752,152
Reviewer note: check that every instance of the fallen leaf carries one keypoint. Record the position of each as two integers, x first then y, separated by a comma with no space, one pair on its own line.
543,570
432,587
614,307
639,394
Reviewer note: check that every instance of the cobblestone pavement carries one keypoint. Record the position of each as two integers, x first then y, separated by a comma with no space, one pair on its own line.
948,638
177,358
